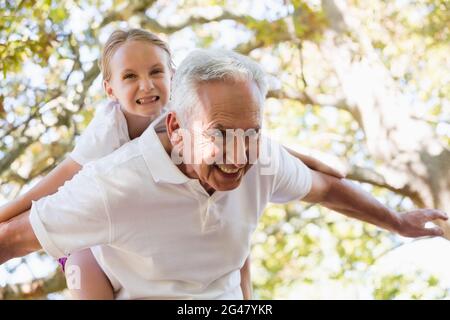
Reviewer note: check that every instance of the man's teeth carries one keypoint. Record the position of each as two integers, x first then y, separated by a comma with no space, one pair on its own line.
227,170
147,100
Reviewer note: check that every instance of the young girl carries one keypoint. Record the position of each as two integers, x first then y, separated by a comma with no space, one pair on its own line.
137,68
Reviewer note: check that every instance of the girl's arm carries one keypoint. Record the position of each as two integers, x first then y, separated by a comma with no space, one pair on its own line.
47,186
315,164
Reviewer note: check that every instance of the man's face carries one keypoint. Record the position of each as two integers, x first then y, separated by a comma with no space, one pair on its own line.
226,111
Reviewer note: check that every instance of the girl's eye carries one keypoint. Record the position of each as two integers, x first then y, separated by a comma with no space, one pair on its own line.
156,71
128,76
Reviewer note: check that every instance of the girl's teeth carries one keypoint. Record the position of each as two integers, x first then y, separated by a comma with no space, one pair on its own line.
226,170
146,100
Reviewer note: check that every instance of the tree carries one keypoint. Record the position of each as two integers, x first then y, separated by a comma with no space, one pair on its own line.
363,80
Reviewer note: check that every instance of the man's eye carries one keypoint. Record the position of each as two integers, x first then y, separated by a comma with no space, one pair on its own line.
217,134
214,134
252,133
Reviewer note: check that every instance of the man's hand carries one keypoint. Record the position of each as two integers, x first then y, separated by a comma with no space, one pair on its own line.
345,197
412,223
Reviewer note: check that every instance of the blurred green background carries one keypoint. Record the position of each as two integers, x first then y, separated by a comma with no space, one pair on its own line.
362,85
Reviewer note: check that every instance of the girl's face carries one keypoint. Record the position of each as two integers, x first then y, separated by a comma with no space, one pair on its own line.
140,78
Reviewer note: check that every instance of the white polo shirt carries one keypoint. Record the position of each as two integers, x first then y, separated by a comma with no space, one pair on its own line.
164,237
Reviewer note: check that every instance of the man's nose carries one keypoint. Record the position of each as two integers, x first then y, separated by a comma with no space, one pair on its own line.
236,153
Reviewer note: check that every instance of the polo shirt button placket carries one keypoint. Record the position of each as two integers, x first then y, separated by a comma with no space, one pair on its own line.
211,219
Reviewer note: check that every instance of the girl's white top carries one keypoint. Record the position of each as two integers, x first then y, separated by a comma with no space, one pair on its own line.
106,132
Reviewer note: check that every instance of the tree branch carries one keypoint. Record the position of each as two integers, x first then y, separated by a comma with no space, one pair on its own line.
155,26
305,98
11,156
244,48
126,13
89,78
367,175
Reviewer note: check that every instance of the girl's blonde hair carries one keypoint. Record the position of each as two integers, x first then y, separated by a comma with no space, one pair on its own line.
119,37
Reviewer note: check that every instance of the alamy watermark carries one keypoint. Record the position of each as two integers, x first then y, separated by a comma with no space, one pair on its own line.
236,147
73,277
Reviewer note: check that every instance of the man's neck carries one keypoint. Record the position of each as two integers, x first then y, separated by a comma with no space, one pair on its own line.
186,170
165,141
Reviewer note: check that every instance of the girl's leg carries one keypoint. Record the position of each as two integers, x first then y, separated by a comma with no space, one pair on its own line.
246,282
85,279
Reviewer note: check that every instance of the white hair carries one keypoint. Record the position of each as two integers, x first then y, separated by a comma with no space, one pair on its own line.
208,65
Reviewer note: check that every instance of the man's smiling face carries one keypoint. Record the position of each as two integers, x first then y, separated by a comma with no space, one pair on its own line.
224,106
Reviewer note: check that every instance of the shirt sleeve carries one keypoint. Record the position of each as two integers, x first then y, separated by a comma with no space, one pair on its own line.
102,136
73,218
292,179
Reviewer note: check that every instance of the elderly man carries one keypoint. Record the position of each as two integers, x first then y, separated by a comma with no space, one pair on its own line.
177,224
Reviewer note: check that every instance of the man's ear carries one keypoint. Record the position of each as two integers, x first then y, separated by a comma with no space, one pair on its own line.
173,128
108,89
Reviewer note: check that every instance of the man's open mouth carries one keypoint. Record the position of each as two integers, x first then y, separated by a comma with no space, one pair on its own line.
149,99
227,170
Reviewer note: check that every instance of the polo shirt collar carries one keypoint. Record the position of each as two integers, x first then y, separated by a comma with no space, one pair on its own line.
158,161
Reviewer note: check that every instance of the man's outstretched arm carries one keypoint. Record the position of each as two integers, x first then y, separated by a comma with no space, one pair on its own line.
17,238
346,197
69,220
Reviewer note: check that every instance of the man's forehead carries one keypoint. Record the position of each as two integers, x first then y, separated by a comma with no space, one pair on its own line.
228,122
224,98
216,90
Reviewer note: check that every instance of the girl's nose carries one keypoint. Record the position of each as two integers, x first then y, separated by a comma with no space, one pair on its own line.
146,85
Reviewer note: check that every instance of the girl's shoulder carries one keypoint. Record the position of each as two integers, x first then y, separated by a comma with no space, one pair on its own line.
106,132
110,112
110,117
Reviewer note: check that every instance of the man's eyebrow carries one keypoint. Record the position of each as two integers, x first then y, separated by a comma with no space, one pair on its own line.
222,128
218,127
